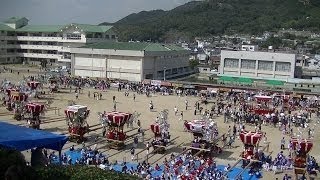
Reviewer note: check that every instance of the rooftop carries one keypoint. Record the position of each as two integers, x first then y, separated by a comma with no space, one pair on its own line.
14,19
135,46
4,27
40,28
92,28
51,28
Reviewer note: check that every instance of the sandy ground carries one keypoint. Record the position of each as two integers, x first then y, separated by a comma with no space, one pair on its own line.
55,122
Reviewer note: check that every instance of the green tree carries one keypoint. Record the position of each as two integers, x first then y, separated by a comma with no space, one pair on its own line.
215,17
13,166
275,42
193,63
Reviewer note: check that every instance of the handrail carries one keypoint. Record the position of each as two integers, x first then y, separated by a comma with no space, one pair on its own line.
244,169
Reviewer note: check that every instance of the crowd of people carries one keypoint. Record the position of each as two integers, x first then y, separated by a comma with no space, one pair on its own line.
88,156
238,107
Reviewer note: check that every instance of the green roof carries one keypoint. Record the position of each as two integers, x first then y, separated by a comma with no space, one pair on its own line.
40,28
92,28
275,82
14,19
226,78
245,80
134,46
4,27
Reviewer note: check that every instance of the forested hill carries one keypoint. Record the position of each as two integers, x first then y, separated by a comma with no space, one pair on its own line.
213,17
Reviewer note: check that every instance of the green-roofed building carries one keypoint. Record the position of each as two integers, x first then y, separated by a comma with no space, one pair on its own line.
133,61
21,41
90,50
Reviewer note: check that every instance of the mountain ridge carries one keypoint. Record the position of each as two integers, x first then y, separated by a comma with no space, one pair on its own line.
216,17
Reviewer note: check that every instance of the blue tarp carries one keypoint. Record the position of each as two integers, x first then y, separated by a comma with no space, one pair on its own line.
22,138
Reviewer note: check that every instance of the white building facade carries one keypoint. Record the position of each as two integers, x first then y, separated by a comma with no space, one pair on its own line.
249,47
131,61
259,65
51,43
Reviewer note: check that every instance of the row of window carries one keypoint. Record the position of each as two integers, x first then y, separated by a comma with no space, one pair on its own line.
171,56
173,71
262,65
68,35
283,66
304,85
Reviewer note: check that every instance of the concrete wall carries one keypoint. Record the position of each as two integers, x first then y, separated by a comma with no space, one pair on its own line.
156,64
124,67
264,64
133,65
89,66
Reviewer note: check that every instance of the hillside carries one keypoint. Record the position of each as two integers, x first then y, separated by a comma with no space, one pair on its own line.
214,17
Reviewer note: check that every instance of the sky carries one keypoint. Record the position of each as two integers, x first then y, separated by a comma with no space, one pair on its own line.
57,12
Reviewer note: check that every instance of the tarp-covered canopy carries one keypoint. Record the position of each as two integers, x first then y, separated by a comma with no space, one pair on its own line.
22,138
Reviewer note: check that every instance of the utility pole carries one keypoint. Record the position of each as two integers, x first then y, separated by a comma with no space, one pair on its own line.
164,74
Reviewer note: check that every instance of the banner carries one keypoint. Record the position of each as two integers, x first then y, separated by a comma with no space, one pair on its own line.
155,82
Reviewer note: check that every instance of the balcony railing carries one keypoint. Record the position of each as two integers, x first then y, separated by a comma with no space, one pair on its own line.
39,55
31,38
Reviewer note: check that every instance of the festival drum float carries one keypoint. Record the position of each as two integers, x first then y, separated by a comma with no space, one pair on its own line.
157,129
199,129
250,140
7,101
17,100
116,121
302,147
35,110
262,111
33,85
53,85
76,119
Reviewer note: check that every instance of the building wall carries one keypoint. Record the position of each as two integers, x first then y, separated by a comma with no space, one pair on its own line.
90,66
249,47
257,64
124,67
36,46
129,65
175,64
107,63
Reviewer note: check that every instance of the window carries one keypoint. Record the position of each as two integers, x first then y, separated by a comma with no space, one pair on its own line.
160,74
265,65
107,36
149,76
89,35
174,71
313,86
73,36
231,63
248,64
113,36
283,66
